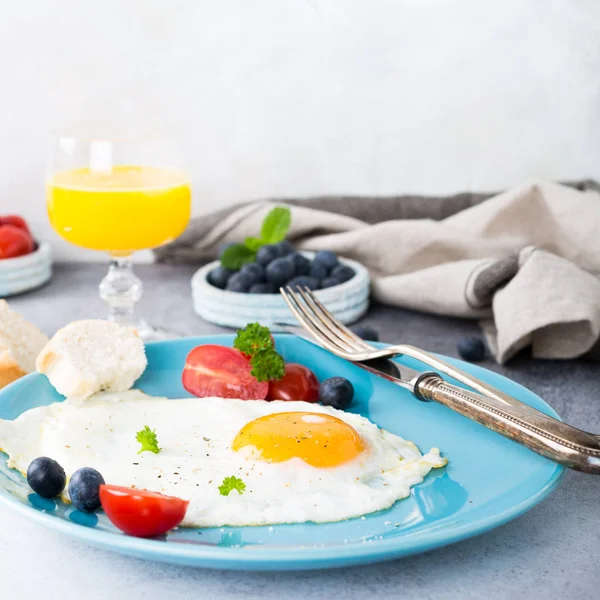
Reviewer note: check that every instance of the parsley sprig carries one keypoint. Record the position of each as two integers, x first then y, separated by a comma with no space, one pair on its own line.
147,438
252,338
232,483
267,365
274,229
255,341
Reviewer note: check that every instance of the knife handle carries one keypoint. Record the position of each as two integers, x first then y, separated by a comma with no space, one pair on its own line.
545,435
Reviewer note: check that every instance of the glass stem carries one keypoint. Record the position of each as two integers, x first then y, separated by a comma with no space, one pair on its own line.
121,289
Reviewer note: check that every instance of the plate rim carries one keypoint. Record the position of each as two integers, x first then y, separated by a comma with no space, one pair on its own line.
273,558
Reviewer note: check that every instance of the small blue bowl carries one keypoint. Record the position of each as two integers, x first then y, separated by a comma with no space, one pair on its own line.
24,273
348,301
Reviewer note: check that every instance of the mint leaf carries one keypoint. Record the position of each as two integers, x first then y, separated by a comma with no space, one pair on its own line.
276,225
253,243
237,255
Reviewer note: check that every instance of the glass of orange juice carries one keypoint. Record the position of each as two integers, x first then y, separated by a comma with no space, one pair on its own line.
118,196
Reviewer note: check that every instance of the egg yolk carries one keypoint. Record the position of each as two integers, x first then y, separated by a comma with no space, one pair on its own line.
318,439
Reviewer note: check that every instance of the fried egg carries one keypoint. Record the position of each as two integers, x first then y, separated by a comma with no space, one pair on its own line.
299,461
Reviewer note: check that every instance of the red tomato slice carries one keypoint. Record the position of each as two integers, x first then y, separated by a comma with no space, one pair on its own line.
14,242
212,370
17,221
298,383
140,512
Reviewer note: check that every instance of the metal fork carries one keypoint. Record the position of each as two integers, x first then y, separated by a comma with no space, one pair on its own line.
496,410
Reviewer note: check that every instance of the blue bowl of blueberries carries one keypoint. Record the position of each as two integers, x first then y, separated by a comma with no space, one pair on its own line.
233,297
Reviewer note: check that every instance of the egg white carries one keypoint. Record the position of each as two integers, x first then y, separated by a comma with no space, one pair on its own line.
195,437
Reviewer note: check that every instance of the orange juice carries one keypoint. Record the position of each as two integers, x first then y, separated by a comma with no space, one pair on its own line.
120,210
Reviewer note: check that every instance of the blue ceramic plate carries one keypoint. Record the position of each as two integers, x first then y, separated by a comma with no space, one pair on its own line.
488,481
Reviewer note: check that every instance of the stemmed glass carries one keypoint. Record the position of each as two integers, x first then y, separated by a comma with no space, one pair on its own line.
118,196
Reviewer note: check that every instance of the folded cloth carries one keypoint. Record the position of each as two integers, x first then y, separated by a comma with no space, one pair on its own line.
525,262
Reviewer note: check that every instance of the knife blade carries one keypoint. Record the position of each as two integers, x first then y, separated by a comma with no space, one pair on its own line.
388,369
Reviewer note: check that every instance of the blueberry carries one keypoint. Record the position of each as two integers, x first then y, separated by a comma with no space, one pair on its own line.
239,282
46,477
471,349
337,392
284,248
267,254
327,258
318,270
366,332
84,489
302,281
219,277
262,288
329,282
342,273
301,263
224,247
255,271
280,271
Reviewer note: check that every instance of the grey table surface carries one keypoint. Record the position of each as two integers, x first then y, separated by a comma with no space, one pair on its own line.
552,551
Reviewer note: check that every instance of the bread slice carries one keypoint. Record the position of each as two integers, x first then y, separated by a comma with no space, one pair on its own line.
86,357
20,343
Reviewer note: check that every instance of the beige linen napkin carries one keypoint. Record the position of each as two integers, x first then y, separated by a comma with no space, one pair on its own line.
525,262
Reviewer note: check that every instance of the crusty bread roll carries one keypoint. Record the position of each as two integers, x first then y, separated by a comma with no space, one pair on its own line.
20,343
86,357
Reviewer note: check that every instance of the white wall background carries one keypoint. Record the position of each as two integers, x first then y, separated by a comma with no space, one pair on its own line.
300,97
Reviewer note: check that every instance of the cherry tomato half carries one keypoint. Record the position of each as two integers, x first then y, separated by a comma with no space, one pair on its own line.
17,221
298,383
140,512
212,370
14,242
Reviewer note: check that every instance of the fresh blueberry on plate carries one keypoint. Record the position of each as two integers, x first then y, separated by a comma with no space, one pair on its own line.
337,392
262,288
239,282
303,281
255,271
471,349
46,477
342,273
219,277
327,258
84,489
280,271
366,332
301,263
267,254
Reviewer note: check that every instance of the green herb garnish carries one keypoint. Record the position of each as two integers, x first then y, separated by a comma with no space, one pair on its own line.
232,483
236,256
274,229
276,225
255,341
252,338
267,365
253,243
147,438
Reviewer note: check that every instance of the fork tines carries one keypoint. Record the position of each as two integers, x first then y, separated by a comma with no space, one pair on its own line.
314,317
